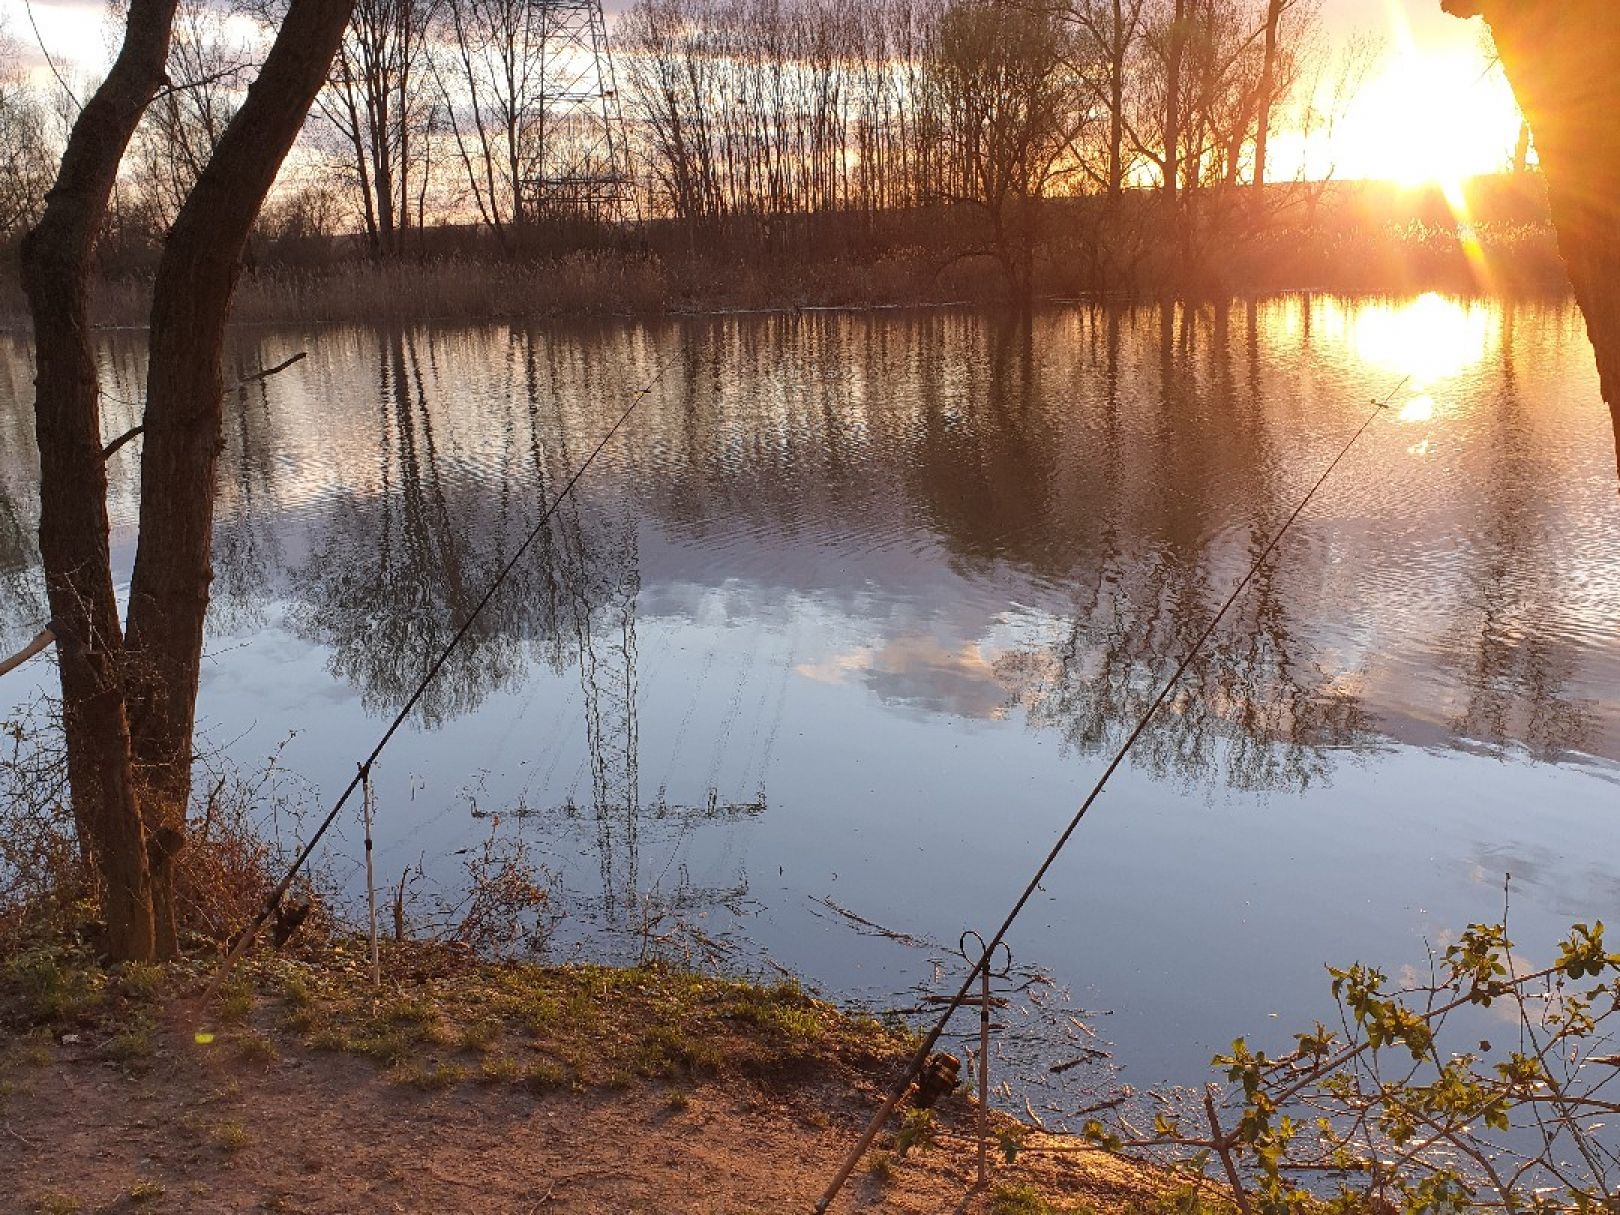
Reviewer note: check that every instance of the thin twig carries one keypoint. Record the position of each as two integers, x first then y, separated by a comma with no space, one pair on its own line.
270,371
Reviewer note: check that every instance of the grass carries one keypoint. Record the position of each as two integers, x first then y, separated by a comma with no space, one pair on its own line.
579,284
580,1027
230,1137
132,1045
1019,1200
428,1076
1354,238
51,982
145,1191
499,1070
252,1047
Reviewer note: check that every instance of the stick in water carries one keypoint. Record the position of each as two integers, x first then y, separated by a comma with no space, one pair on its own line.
37,646
370,805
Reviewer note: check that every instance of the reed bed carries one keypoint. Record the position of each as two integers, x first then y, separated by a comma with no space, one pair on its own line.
477,287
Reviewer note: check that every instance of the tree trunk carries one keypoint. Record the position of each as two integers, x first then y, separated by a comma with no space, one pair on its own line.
1268,88
1116,105
184,417
1561,57
1172,100
73,481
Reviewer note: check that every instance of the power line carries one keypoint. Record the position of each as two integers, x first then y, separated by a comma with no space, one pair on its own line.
364,769
928,1043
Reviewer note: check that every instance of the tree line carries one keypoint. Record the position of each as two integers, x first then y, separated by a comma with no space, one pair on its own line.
734,112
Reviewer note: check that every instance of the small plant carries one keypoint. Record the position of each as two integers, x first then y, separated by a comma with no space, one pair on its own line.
1019,1200
916,1132
230,1137
31,1050
256,1048
429,1076
881,1168
144,1191
499,1069
140,981
1405,1110
131,1046
480,1036
235,1004
544,1077
51,982
57,1204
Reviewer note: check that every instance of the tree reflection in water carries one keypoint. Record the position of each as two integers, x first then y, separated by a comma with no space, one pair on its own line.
22,598
1515,671
395,567
1250,712
966,516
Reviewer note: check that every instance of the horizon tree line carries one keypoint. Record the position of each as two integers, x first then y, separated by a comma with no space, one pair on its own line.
433,114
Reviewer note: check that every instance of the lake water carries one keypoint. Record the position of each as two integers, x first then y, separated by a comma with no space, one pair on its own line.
857,607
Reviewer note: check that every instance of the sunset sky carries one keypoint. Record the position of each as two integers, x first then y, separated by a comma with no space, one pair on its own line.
1431,109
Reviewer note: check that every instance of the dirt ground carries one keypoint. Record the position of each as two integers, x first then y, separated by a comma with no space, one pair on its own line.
200,1128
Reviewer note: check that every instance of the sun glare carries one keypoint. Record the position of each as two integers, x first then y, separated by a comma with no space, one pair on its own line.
1430,114
1427,341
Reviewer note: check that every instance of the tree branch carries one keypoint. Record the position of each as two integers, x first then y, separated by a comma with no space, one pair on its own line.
37,646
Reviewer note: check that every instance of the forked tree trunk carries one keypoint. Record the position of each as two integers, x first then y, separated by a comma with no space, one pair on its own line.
131,779
184,420
73,481
1563,60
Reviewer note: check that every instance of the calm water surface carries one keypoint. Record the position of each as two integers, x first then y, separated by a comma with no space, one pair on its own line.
856,608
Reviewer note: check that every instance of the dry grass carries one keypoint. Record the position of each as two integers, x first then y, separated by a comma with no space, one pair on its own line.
583,284
1338,253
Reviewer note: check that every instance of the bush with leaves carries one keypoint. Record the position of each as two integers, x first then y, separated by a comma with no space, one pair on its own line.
1384,1114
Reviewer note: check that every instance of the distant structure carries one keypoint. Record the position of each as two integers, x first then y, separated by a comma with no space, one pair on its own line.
584,163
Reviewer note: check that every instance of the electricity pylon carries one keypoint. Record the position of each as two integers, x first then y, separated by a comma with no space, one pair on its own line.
584,172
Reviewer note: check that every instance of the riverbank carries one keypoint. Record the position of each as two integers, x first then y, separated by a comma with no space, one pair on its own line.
1348,238
467,1085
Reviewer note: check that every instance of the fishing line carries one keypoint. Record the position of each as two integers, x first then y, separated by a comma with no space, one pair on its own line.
920,1056
364,769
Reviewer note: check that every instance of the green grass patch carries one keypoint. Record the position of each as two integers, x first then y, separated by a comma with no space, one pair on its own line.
427,1075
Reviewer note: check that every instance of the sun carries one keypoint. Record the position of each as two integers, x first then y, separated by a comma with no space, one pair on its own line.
1410,130
1430,114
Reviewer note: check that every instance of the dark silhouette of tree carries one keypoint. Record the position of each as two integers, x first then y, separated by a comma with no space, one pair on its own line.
1560,57
128,707
1014,115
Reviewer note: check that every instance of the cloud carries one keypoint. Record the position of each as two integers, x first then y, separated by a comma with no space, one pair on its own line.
919,672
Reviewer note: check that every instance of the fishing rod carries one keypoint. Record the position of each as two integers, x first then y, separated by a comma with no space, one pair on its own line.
363,770
920,1056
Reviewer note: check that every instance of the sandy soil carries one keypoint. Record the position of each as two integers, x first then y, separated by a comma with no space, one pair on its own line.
202,1129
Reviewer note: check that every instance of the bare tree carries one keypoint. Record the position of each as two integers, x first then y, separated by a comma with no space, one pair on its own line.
26,156
128,706
379,102
73,483
490,85
1004,82
1108,33
204,79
